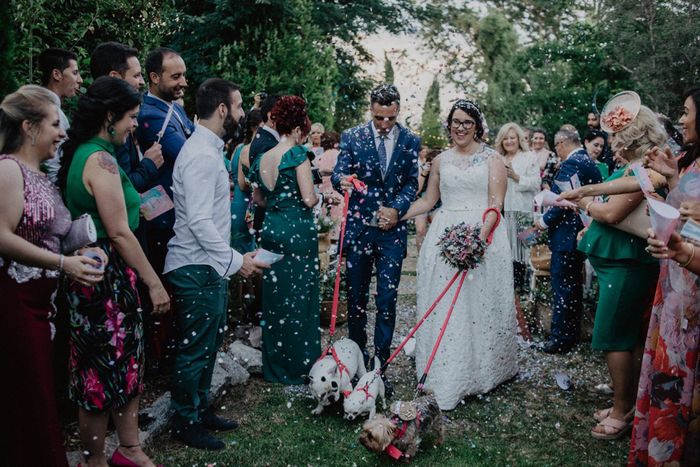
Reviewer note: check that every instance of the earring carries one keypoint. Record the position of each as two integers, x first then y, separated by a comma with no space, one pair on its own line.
111,131
33,138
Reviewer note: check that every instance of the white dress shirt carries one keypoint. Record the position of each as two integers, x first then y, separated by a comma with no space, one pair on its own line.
201,195
389,141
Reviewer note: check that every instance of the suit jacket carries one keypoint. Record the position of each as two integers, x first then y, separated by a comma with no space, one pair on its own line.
151,118
140,172
263,142
564,224
397,189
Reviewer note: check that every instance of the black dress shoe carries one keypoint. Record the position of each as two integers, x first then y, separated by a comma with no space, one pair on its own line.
194,435
552,347
212,422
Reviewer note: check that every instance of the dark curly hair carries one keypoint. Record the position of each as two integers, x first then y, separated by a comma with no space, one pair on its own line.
473,111
288,113
106,95
385,94
330,140
692,148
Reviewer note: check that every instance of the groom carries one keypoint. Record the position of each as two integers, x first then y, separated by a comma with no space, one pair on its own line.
383,155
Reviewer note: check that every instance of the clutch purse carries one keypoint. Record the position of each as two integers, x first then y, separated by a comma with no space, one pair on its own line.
82,233
637,222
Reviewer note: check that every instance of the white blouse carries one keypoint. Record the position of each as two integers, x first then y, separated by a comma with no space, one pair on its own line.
521,194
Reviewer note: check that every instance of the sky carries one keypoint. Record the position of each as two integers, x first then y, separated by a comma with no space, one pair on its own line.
414,70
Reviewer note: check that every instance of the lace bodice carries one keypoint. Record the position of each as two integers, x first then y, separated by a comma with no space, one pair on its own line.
464,180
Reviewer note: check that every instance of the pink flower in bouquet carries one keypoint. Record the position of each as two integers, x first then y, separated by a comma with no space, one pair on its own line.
618,118
462,247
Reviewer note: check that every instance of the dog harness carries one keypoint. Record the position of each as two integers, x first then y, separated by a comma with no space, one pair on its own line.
394,452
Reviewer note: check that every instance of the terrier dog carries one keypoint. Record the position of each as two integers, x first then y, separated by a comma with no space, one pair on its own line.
400,436
328,380
364,397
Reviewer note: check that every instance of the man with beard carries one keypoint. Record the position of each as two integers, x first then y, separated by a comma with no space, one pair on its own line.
121,61
200,260
164,121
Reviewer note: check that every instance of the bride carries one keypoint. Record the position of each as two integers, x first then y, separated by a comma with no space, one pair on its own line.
479,348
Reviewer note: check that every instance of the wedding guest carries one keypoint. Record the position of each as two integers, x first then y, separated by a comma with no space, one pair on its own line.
594,142
121,61
522,168
199,261
538,145
106,368
626,273
33,222
60,75
291,340
242,239
314,139
668,400
162,120
326,162
563,226
425,160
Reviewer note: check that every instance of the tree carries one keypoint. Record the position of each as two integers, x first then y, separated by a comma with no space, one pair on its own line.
431,129
7,52
388,70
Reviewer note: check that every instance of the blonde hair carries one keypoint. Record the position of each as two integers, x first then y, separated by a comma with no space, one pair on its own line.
642,134
317,126
522,141
30,103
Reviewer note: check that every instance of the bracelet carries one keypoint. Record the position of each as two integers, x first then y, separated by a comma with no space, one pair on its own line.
61,258
588,205
690,258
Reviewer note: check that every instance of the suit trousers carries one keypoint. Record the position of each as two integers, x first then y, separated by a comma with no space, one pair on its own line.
377,249
200,305
567,288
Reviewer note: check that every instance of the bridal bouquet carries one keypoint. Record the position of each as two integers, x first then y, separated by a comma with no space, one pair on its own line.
461,247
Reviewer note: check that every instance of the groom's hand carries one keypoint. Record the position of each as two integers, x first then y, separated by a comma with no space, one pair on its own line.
345,182
388,217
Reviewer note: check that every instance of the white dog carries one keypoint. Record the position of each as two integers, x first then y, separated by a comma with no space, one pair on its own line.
363,399
327,381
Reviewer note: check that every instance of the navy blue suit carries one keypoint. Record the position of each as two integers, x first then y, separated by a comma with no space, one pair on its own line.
567,262
140,171
368,246
159,231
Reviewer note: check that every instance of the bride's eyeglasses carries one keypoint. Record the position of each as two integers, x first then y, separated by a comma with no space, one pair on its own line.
467,124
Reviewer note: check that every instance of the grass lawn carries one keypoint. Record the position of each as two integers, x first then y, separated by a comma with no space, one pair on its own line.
527,421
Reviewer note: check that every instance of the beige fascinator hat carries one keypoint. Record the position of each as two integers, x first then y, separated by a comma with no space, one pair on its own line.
620,111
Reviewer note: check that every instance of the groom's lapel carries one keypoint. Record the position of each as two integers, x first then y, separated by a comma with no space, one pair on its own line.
398,150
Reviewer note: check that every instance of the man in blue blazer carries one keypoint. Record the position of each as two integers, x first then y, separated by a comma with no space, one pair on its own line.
384,156
563,226
166,75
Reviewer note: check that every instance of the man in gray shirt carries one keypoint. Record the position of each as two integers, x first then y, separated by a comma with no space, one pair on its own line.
200,259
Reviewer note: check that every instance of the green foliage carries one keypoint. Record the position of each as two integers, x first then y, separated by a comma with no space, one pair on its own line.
80,25
388,70
7,51
431,129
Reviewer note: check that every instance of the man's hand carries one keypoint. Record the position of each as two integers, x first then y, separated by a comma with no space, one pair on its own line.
155,153
252,267
388,217
345,182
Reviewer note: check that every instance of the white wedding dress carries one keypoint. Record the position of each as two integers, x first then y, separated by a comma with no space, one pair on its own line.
479,348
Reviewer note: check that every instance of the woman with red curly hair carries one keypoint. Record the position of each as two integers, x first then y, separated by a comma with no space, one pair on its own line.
284,184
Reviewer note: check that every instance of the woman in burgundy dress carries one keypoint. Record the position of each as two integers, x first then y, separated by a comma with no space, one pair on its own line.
33,220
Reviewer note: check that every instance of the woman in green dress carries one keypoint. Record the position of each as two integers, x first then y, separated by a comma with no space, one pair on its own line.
627,276
284,184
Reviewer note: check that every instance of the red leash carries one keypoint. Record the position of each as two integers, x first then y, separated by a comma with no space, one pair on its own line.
362,188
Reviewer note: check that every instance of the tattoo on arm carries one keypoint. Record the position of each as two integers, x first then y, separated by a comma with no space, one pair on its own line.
108,163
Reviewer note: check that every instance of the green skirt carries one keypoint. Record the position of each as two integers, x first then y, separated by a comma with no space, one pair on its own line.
626,292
